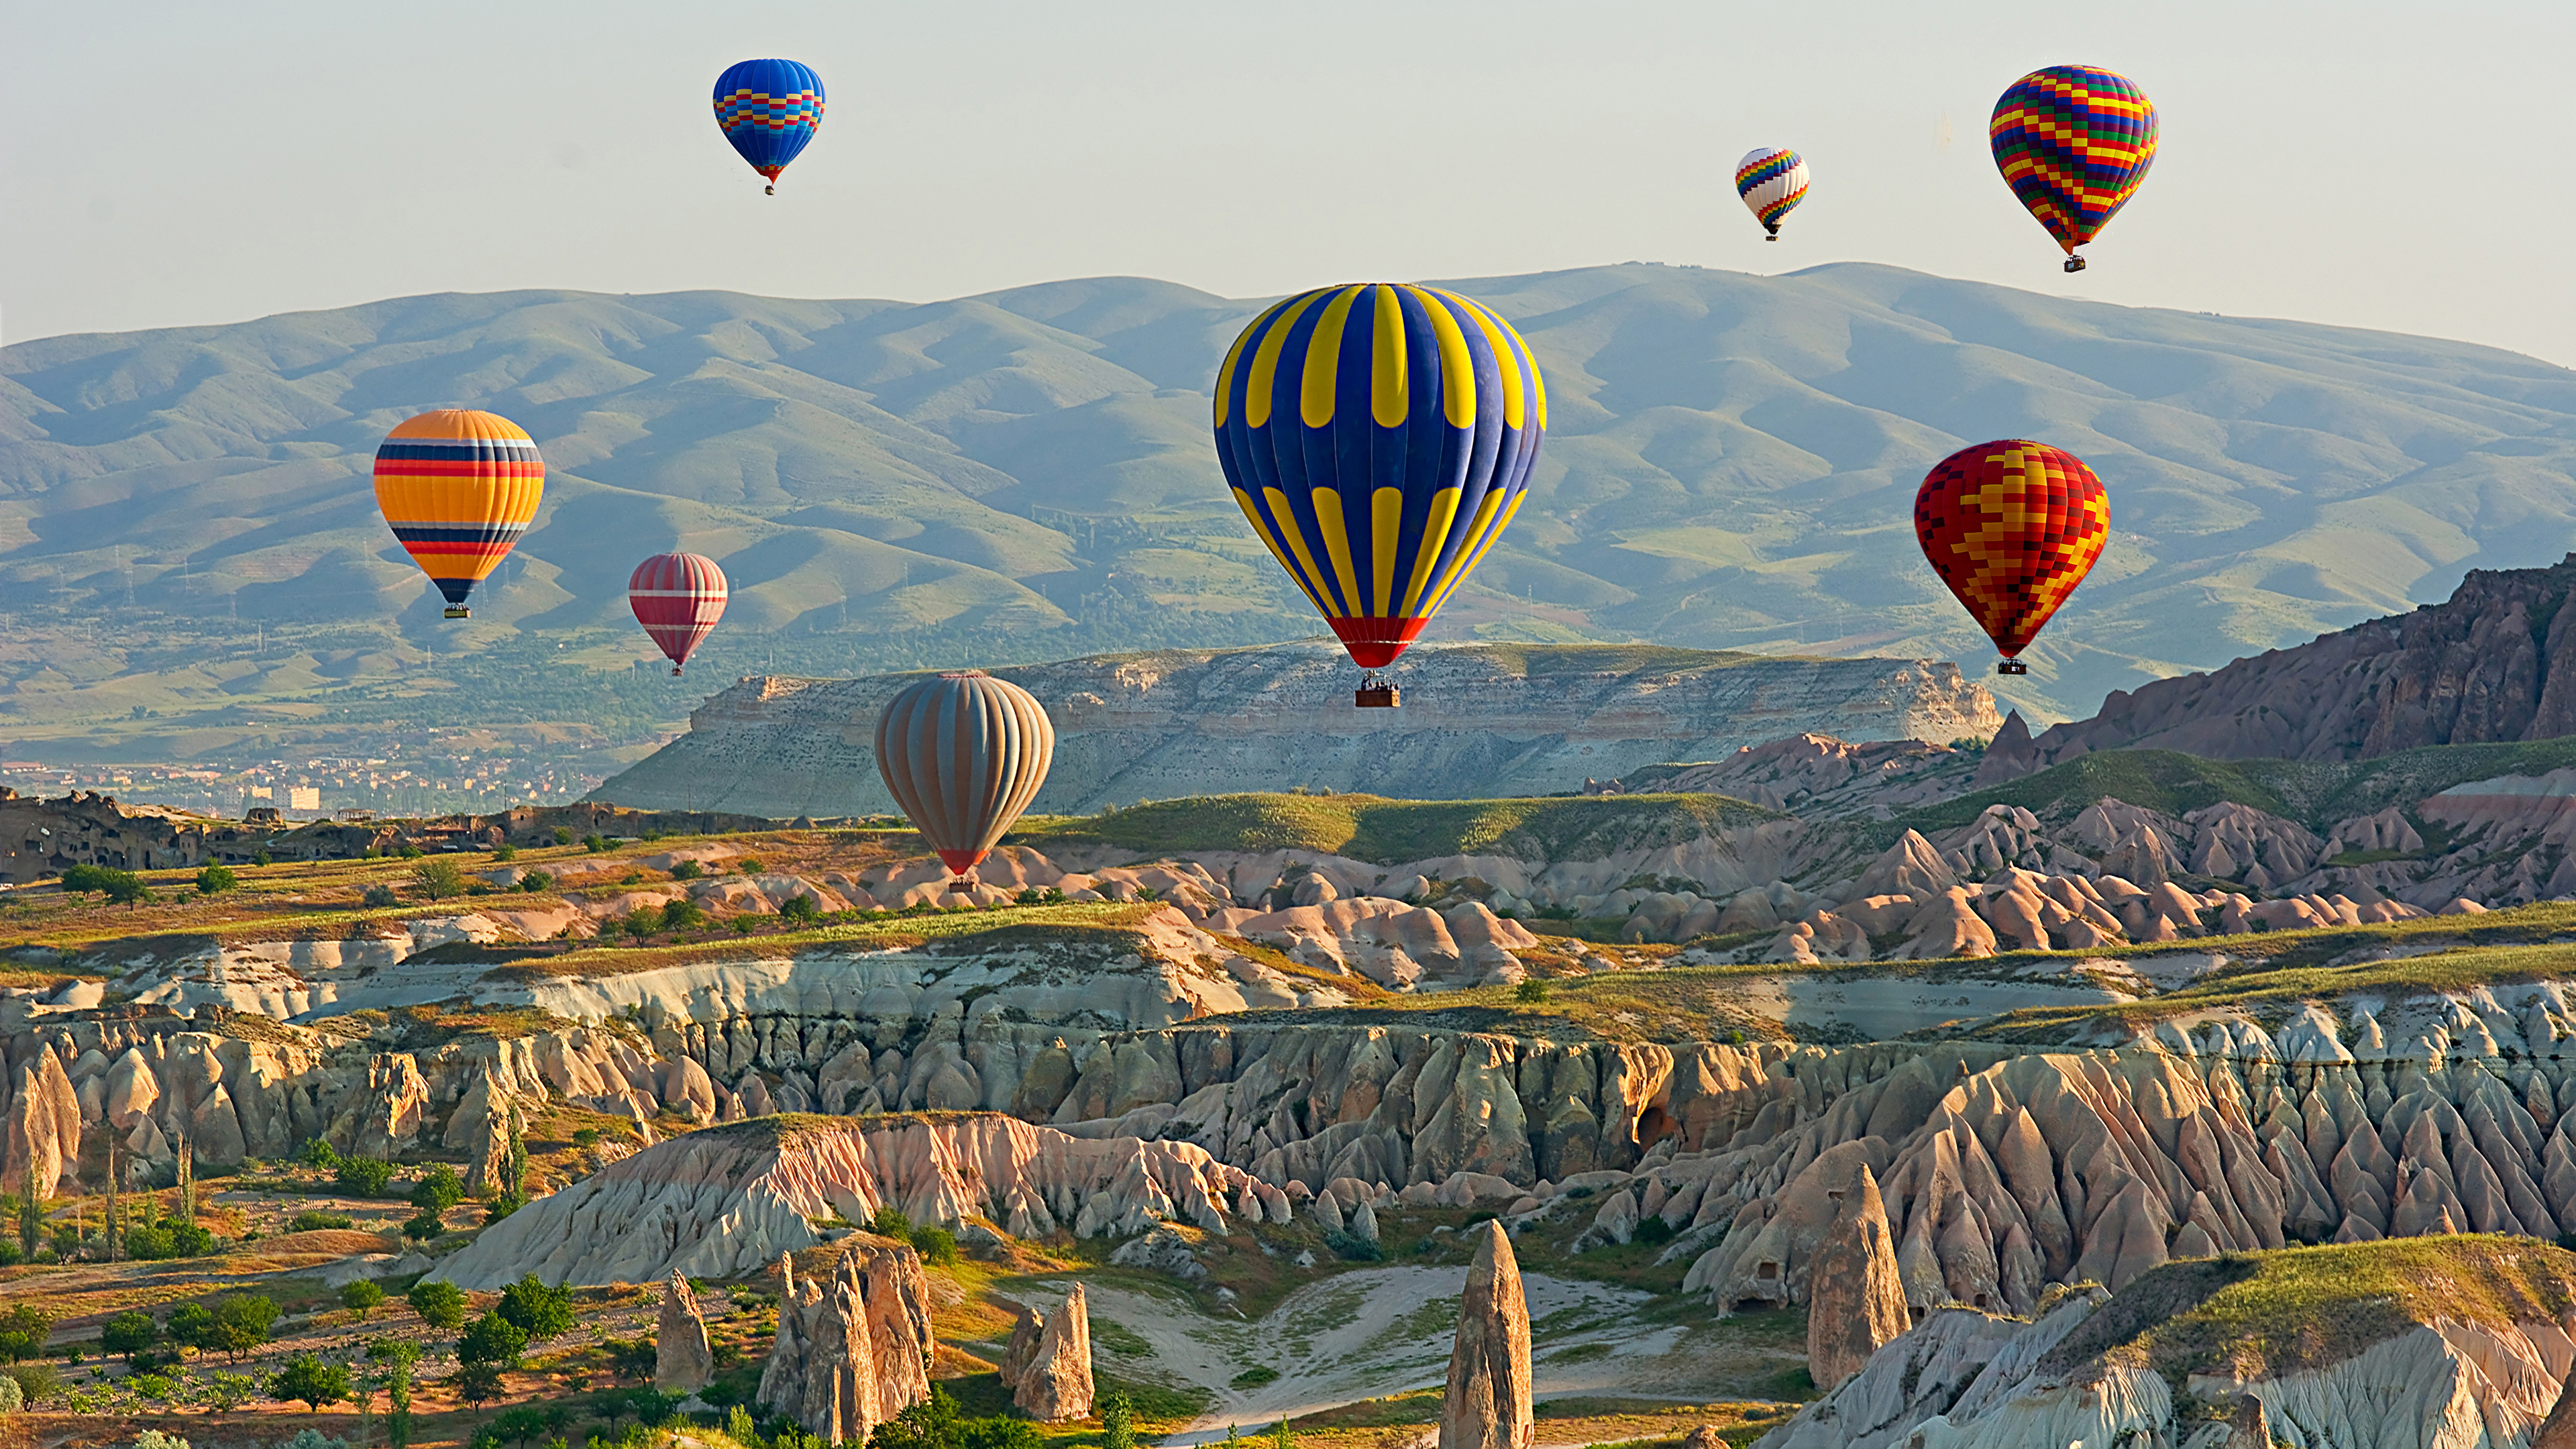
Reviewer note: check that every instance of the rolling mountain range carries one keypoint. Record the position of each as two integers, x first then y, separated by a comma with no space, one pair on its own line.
189,544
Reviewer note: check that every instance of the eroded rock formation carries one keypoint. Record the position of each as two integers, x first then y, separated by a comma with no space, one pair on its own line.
1856,1292
1053,1384
682,1362
853,1347
2495,662
1487,1404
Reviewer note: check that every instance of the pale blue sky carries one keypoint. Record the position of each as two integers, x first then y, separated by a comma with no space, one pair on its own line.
2375,165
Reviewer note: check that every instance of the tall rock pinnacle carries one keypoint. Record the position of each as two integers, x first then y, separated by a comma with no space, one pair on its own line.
1488,1402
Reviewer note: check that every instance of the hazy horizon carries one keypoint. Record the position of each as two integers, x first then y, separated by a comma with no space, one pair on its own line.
976,148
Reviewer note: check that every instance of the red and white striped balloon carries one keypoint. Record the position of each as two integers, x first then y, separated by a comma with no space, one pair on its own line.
677,597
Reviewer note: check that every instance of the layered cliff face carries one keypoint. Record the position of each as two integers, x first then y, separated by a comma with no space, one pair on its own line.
2495,662
1478,720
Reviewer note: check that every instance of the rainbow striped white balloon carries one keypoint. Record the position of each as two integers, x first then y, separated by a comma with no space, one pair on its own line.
1771,179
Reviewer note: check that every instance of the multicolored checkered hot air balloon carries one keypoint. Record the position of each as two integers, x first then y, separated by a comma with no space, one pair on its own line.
458,487
677,597
1379,438
2074,142
1771,179
769,109
2012,527
964,754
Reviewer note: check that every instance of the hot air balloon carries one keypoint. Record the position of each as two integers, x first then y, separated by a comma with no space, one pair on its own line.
769,109
2073,142
1772,180
964,754
2012,527
677,597
1379,437
458,488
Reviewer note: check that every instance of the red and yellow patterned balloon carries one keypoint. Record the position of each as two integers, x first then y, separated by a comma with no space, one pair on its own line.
2012,527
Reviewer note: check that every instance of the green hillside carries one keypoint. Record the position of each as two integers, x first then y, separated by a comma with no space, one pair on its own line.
1386,832
191,558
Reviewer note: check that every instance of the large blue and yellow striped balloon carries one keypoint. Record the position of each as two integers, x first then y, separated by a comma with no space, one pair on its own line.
1379,437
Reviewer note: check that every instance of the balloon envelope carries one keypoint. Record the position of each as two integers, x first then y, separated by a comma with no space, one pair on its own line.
2073,142
964,754
769,109
2012,527
677,597
1379,438
458,487
1771,179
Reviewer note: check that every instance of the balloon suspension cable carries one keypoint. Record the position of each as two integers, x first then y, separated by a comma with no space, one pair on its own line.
2074,263
2011,666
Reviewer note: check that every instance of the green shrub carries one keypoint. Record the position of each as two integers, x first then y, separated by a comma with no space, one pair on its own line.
1530,992
889,1222
936,1245
438,1189
440,1305
536,882
215,880
364,1176
504,853
687,870
562,836
1350,1247
361,1297
438,878
379,896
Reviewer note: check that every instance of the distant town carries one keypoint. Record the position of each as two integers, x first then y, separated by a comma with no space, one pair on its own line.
322,787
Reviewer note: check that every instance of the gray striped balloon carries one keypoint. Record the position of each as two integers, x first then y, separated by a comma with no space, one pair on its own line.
964,754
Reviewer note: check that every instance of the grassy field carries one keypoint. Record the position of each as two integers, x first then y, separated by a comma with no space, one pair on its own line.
1388,832
2259,1315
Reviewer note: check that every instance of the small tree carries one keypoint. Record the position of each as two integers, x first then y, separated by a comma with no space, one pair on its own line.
516,1189
562,836
440,1304
214,880
361,1297
31,1212
682,915
536,882
128,1333
632,1358
311,1380
477,1383
1530,992
22,1332
379,896
438,878
241,1321
800,909
937,1246
1117,1422
536,1310
397,1355
492,1339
